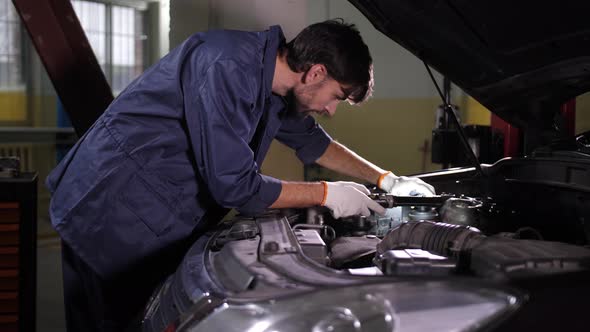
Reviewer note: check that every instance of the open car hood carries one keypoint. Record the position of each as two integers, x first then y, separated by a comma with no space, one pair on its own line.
521,59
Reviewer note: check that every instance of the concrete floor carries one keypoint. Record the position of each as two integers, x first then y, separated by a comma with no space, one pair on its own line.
50,306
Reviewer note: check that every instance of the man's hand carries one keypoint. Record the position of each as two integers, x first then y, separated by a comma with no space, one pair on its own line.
349,198
405,186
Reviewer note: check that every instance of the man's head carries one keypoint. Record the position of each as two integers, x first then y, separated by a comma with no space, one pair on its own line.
335,65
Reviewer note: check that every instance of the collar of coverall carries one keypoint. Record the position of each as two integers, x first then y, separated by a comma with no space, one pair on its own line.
274,39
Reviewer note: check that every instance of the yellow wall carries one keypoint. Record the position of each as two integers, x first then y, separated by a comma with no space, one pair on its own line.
474,113
13,106
44,111
389,132
392,133
282,163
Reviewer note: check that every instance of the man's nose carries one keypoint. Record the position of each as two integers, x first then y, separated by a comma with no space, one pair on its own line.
331,107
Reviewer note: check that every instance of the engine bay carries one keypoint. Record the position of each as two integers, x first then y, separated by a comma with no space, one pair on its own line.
524,218
434,236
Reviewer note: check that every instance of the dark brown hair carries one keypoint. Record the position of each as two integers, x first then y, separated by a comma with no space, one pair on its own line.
339,47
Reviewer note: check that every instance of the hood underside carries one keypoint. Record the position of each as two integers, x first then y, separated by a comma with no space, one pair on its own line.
521,59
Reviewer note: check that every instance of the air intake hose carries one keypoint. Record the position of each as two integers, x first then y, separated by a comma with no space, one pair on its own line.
439,238
496,257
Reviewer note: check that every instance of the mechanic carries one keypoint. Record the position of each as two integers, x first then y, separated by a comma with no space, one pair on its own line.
183,143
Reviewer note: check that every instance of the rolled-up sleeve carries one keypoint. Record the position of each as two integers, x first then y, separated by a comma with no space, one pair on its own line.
221,116
305,136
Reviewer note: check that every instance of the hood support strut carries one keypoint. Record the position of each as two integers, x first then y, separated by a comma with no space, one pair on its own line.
449,110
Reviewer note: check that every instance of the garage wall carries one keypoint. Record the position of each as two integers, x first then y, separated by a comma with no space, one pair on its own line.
13,103
186,18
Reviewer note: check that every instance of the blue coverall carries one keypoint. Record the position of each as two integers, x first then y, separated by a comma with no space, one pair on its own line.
179,142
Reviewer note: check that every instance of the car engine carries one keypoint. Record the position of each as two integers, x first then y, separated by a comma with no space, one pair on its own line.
456,234
524,218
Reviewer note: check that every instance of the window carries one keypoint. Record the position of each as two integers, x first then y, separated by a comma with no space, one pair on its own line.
92,16
10,47
117,37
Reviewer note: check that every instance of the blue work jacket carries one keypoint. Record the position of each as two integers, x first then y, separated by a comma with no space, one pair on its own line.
178,141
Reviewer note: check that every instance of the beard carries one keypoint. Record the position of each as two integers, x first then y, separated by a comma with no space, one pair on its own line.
295,108
299,99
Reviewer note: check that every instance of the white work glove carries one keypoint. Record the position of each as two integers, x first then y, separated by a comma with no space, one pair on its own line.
348,198
404,185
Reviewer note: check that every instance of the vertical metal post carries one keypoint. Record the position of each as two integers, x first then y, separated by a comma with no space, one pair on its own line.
511,136
568,110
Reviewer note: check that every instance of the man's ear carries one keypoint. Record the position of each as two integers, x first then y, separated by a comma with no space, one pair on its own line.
315,73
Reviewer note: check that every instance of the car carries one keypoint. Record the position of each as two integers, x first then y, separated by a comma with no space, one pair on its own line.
503,246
